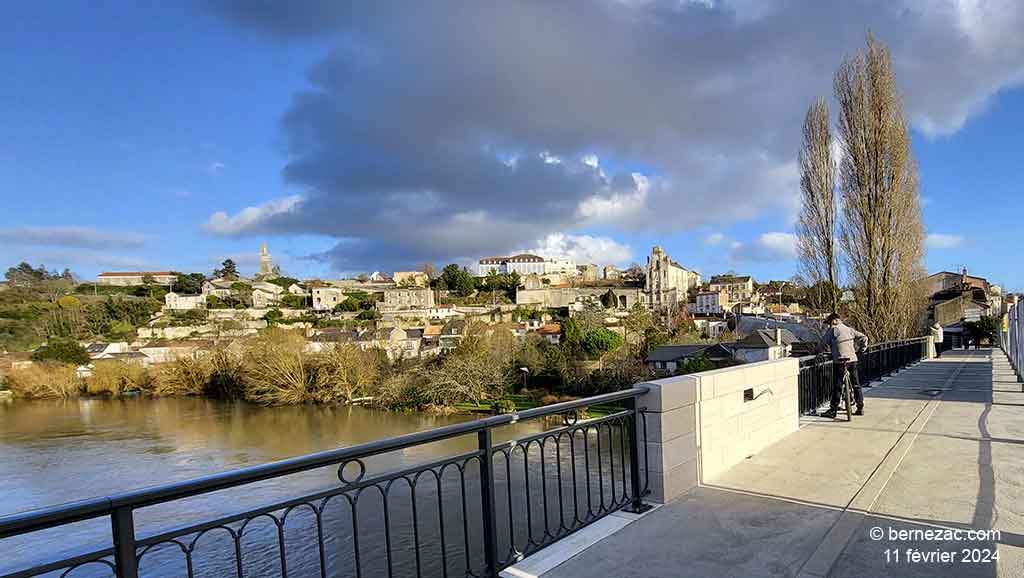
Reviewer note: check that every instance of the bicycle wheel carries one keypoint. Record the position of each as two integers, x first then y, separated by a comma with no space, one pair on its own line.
848,393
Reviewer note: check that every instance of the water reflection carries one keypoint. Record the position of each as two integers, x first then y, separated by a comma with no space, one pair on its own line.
428,523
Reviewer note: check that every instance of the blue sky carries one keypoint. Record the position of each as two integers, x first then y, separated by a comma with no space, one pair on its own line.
158,135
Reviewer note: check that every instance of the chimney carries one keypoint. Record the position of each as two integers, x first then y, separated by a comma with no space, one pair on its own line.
778,336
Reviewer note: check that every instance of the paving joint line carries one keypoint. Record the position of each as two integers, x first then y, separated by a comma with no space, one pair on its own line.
827,553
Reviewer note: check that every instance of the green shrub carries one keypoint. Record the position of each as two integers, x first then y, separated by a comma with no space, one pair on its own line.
62,351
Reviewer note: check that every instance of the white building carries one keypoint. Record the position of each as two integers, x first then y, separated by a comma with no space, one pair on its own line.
266,294
132,278
177,302
711,303
524,264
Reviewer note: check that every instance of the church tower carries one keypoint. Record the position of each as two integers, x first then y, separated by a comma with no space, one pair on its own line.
266,265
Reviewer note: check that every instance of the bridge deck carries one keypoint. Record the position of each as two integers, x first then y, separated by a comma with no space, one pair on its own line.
941,446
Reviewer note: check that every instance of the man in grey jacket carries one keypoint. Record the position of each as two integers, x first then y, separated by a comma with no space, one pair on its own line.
844,342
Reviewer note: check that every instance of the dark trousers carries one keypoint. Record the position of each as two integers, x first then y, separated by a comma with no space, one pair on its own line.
837,385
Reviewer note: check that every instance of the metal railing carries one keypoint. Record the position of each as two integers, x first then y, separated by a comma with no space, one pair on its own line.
470,514
1012,340
817,378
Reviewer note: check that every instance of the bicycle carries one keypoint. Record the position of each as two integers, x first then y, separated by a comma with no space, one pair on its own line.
847,391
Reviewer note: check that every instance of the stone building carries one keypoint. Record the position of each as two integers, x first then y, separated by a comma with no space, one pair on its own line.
667,283
406,298
132,278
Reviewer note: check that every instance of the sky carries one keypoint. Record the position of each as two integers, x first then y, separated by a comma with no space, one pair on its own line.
355,137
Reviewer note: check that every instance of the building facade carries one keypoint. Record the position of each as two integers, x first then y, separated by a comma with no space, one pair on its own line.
326,298
712,303
411,298
740,288
132,278
667,283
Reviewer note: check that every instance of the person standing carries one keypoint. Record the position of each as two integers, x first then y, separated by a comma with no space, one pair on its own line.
937,337
844,343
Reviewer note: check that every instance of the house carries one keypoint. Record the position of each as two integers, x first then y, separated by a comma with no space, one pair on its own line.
378,277
666,359
452,333
132,357
712,302
329,338
946,280
524,264
765,345
587,273
740,288
551,332
430,342
133,278
964,307
166,350
611,272
266,294
711,327
411,279
218,287
296,289
406,298
101,350
327,298
176,302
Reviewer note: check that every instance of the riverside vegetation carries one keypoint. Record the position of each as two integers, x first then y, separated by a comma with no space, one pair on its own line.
483,373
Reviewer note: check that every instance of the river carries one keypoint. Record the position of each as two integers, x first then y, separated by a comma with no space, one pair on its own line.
53,452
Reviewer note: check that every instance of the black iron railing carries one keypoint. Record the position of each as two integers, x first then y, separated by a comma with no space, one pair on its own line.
817,376
470,514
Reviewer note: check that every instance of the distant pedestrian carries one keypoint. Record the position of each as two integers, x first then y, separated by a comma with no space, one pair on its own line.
937,337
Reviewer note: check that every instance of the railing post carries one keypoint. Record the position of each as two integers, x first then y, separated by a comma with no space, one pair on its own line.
637,506
487,508
122,527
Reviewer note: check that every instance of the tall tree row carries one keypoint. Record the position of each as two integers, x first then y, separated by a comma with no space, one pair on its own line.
864,211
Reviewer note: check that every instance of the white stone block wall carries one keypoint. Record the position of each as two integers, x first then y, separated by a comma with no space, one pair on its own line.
699,425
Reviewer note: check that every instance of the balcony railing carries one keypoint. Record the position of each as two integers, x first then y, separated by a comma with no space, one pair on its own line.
878,361
469,514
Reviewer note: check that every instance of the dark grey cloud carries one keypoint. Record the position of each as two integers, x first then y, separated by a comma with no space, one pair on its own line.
435,130
72,237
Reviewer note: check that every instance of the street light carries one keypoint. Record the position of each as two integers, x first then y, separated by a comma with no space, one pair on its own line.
526,372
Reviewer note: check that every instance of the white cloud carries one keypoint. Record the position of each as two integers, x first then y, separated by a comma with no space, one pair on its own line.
75,237
251,219
216,167
774,246
943,241
714,239
582,249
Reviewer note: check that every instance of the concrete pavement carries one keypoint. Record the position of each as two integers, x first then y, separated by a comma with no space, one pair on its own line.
941,449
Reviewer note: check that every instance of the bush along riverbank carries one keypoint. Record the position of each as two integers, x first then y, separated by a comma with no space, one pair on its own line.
490,371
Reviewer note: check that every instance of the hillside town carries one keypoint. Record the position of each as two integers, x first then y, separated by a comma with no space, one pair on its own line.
406,315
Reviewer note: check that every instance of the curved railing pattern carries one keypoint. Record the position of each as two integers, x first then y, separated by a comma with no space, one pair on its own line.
470,514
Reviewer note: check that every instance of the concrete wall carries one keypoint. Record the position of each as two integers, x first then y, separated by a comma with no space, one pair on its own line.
699,425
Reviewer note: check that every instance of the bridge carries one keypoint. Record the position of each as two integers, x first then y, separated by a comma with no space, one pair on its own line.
722,473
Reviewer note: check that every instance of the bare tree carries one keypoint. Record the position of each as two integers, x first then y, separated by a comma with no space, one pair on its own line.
817,227
881,233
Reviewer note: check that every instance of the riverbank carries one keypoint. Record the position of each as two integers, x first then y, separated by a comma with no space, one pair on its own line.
274,369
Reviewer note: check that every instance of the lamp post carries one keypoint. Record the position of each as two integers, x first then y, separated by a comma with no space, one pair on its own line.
526,372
